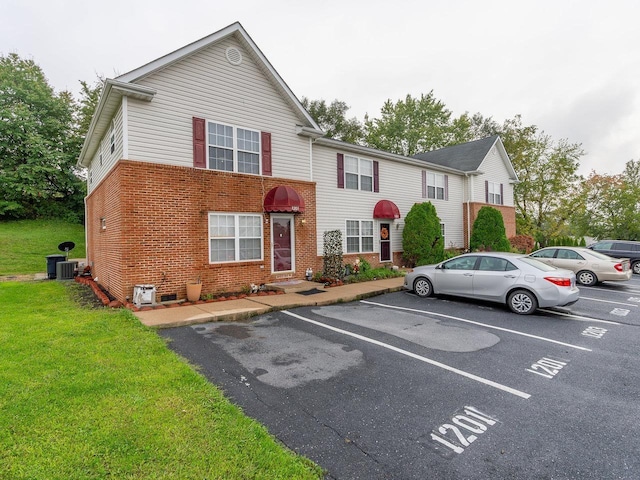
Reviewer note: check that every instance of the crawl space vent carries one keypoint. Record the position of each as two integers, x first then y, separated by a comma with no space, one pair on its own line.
234,56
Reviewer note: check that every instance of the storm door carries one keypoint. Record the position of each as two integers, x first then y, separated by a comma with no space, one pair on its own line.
385,242
282,241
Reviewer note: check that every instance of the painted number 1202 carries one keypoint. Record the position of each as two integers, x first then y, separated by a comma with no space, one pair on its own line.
462,430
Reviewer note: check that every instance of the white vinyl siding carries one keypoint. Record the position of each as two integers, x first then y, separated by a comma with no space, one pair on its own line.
400,183
493,170
206,85
104,159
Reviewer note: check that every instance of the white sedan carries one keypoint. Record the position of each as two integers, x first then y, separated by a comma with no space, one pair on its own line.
519,281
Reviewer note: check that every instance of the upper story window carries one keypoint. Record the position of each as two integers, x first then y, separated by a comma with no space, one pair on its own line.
357,173
494,193
112,137
233,149
435,185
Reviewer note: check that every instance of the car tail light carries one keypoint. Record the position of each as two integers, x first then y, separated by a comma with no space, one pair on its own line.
618,267
560,281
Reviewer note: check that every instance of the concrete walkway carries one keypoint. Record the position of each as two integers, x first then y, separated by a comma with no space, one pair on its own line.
240,309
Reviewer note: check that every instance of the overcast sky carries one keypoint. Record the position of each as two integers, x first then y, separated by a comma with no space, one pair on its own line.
570,67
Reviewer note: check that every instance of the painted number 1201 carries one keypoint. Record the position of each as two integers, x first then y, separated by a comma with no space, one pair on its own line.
462,430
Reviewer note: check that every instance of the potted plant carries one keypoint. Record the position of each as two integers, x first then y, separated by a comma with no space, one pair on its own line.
194,289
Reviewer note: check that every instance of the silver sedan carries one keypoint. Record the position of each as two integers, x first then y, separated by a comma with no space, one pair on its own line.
520,282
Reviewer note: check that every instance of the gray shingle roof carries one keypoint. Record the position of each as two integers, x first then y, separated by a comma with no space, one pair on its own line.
466,156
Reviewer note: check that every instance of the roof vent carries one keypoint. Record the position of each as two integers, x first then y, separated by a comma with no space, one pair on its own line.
234,56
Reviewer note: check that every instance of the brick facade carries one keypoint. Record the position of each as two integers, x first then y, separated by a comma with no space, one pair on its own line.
508,216
148,224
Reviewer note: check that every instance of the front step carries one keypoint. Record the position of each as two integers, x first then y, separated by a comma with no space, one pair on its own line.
293,286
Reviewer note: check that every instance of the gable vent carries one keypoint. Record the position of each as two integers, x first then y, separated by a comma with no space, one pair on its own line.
234,56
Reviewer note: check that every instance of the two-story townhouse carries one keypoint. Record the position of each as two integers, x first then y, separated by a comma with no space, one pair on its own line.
203,164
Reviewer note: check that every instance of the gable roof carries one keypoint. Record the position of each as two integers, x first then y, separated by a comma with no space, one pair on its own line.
468,157
110,98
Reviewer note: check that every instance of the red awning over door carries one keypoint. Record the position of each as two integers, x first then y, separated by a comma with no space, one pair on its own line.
386,209
283,199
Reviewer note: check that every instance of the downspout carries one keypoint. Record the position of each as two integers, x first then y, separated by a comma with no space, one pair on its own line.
311,158
468,210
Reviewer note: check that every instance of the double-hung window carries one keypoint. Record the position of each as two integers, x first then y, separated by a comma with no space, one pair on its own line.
235,237
233,149
435,186
494,193
358,173
359,236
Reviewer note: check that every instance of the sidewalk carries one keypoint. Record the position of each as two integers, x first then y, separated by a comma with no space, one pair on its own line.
230,310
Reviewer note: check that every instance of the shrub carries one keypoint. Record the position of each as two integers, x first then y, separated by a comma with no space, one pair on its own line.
522,243
332,254
422,240
488,231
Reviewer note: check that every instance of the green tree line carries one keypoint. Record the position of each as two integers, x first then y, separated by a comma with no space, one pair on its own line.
42,132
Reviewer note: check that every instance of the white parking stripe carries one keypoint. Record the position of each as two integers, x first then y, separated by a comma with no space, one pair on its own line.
544,339
608,301
580,318
471,376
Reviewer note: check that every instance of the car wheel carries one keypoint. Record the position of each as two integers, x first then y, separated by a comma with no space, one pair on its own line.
423,287
522,302
586,278
636,267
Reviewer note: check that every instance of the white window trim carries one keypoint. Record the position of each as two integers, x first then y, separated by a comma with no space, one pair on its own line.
436,177
359,175
235,146
236,216
360,236
491,192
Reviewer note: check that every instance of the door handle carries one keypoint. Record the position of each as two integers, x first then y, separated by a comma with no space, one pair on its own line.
468,274
509,276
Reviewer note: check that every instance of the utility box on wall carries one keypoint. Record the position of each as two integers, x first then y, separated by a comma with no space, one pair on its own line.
144,295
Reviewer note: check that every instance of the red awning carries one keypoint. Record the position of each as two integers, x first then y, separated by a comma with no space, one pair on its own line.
283,199
386,209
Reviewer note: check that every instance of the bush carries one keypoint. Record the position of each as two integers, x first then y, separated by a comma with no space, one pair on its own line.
522,243
332,254
422,240
488,231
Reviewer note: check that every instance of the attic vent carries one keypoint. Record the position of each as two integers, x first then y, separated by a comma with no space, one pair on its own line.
234,56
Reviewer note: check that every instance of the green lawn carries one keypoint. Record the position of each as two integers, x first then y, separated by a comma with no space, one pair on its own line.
24,244
92,394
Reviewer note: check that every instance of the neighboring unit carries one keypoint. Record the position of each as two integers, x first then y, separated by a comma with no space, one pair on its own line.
203,165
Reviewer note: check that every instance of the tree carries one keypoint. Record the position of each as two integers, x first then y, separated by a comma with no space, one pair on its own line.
333,121
547,192
488,231
412,126
611,205
422,240
39,145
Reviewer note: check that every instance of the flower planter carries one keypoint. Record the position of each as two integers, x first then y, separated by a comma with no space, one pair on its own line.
194,289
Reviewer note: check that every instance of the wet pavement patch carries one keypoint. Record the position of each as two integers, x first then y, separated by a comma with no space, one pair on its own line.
313,291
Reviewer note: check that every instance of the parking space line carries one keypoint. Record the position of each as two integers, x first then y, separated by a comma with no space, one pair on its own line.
471,376
580,318
608,301
544,339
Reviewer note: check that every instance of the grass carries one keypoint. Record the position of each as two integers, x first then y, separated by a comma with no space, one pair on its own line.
24,244
91,393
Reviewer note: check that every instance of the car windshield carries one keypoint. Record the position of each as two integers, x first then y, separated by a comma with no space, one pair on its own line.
598,255
537,264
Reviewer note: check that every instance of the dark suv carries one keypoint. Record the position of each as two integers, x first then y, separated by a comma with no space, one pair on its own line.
620,249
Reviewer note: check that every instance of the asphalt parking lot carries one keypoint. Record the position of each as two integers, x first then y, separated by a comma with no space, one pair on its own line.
401,387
